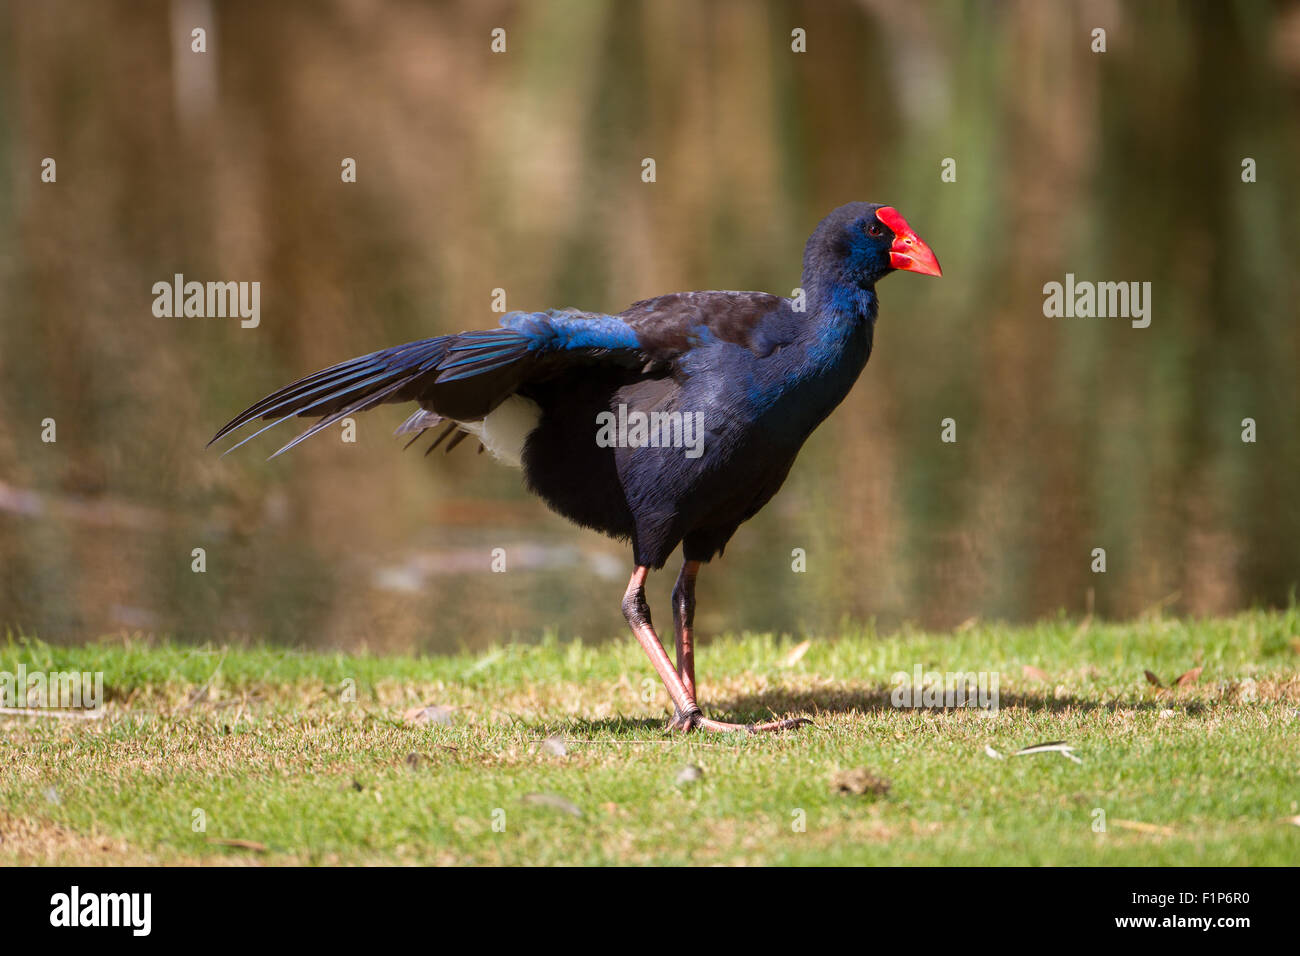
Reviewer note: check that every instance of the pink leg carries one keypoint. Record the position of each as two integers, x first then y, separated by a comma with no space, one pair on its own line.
687,715
684,623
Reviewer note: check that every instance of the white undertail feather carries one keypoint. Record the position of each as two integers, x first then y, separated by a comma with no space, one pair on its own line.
506,428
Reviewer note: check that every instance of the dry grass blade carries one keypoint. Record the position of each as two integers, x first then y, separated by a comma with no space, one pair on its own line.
1052,746
1140,827
796,654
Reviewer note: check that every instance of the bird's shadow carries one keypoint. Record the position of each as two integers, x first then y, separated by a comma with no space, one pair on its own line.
879,699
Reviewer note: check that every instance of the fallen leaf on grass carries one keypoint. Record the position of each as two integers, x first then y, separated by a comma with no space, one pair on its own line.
690,774
239,844
553,801
1185,679
428,714
861,781
796,654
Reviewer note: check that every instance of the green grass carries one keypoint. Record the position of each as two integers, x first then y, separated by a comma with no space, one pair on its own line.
266,743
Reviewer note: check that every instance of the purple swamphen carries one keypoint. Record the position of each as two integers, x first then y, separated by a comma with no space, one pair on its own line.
669,423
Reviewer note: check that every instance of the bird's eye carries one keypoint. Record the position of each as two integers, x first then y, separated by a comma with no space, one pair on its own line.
873,230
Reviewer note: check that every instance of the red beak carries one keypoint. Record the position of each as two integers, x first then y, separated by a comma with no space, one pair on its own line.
908,252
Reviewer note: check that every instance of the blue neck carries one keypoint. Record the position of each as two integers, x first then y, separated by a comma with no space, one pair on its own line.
847,301
812,374
844,320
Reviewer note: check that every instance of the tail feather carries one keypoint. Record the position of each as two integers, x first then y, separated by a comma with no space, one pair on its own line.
456,439
442,435
368,399
421,420
322,392
456,378
296,393
411,372
360,405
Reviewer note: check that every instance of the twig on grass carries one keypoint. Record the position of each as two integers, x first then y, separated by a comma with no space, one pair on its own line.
96,714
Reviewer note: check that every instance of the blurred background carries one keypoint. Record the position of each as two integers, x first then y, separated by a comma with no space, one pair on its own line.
522,170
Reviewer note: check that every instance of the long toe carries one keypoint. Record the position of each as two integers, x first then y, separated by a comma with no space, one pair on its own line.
722,727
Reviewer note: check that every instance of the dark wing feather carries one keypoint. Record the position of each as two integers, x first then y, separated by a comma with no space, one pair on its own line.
458,377
463,377
670,325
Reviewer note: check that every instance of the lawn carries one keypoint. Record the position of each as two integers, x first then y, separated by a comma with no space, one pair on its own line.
555,753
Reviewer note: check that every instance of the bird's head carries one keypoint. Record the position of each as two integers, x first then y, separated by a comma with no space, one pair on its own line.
861,243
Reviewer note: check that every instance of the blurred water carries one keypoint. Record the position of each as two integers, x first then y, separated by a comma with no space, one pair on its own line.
522,171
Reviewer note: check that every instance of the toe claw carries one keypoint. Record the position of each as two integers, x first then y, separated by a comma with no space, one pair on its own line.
684,723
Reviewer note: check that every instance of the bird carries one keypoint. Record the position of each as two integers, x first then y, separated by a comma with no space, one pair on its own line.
668,424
